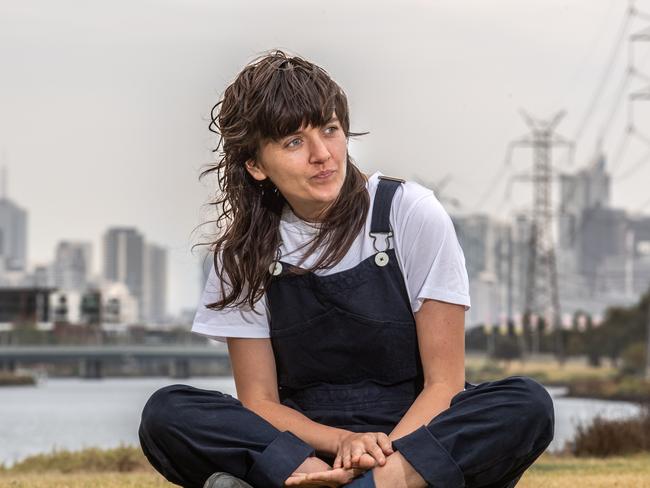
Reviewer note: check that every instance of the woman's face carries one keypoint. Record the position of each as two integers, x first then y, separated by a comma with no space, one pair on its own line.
308,167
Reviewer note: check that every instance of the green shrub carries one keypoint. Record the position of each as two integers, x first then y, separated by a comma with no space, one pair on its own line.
634,358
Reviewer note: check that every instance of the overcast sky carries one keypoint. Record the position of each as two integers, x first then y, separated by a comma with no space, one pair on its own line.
104,105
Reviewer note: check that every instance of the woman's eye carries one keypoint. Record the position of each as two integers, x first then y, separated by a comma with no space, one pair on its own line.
331,129
293,143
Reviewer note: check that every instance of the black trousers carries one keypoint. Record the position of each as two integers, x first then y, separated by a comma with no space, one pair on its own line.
490,434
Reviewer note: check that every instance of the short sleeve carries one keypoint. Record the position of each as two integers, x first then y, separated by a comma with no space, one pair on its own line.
231,321
433,262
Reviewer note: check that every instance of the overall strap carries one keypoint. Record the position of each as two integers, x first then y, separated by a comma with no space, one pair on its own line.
380,223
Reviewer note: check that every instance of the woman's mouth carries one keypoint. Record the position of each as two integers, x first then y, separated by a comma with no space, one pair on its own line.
323,175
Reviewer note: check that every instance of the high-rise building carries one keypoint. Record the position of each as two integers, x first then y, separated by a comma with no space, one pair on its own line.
13,235
603,252
124,250
155,290
587,189
72,265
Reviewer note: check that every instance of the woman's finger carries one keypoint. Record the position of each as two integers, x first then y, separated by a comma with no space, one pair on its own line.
339,475
385,443
372,448
347,463
355,453
295,479
307,483
337,462
367,461
377,453
327,476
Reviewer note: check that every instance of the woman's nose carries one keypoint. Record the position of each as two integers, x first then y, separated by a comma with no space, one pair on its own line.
319,150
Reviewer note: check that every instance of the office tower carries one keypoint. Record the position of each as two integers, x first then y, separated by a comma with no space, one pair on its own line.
124,250
13,235
72,265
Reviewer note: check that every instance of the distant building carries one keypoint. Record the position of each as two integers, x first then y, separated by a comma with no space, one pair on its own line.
13,235
587,189
487,245
119,305
124,250
602,257
107,303
41,276
25,306
72,265
155,270
638,253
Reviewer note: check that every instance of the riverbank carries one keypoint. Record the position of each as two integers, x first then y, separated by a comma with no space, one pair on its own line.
126,467
14,379
581,380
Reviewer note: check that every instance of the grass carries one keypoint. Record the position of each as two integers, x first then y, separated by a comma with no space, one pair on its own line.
549,471
569,472
123,466
83,480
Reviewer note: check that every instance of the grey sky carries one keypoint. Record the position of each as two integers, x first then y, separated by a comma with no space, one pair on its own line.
104,105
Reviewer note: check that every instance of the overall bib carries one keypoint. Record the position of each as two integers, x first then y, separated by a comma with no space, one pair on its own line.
345,344
346,353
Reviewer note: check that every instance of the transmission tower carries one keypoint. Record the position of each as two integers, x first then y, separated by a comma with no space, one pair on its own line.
541,292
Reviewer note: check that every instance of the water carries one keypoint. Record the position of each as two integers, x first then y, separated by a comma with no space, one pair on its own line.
571,412
75,413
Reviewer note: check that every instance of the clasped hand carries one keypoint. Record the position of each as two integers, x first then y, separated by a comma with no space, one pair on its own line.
357,452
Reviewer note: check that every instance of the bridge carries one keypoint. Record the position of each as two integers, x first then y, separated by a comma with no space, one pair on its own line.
92,357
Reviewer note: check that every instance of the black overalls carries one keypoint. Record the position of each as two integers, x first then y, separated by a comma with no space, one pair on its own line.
347,356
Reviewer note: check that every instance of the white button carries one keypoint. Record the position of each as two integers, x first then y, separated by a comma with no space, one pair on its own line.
381,259
275,268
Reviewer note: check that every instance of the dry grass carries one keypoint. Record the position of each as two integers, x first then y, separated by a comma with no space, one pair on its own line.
545,370
83,480
548,472
121,459
568,472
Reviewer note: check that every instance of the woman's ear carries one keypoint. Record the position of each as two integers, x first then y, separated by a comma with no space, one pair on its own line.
254,170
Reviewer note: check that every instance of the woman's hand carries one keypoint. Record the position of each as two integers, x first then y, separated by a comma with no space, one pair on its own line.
332,478
363,450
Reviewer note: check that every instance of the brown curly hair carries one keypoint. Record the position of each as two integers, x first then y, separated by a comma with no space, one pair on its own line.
272,97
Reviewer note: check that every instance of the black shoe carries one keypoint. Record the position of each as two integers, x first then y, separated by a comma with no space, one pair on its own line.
225,480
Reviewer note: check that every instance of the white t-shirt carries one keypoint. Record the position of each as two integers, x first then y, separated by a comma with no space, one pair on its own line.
428,253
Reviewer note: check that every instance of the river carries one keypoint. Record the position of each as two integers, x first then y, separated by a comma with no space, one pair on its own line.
76,413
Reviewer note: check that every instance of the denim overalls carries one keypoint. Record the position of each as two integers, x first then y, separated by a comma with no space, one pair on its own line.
347,356
345,344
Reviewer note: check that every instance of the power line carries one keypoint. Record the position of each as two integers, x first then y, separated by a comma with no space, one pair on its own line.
595,40
495,179
638,165
616,103
605,75
642,15
629,130
620,150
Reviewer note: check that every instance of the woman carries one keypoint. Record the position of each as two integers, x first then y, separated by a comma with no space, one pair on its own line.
342,298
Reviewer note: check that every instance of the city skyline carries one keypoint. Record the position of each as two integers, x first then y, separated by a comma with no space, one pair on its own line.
126,109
